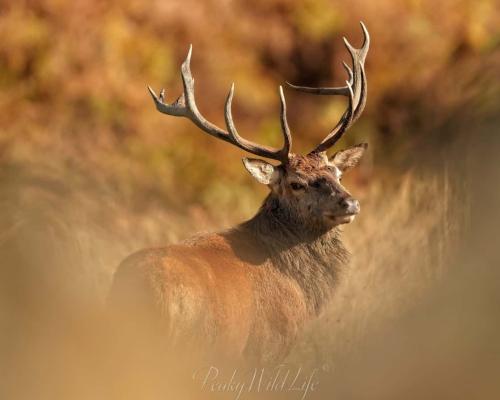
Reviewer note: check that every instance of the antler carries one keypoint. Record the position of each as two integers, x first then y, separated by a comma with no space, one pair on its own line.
355,90
185,106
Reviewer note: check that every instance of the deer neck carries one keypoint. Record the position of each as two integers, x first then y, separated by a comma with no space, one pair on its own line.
311,257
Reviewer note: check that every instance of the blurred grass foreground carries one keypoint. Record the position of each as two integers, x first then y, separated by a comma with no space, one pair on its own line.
90,172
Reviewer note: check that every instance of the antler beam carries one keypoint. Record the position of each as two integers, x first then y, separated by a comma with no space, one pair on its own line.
355,89
185,106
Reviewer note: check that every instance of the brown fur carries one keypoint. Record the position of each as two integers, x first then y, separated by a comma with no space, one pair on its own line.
246,292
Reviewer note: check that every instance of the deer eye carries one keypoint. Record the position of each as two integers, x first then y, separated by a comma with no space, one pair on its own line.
297,186
316,184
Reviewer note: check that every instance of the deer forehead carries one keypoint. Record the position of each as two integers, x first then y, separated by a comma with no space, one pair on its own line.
310,167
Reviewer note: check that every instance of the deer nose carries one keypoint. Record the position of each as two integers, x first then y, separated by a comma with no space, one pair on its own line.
350,205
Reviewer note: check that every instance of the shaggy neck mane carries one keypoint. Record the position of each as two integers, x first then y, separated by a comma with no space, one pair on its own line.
311,257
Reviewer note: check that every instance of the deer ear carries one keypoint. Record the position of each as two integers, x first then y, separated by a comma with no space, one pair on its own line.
348,158
261,170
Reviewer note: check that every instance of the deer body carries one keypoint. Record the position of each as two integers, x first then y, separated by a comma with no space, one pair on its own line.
248,291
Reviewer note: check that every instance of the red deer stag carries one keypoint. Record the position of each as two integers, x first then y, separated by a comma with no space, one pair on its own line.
250,289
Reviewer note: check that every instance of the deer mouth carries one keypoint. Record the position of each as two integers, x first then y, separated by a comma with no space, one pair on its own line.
337,219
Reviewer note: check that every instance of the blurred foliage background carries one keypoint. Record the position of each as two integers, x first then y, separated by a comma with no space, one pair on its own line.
73,77
90,171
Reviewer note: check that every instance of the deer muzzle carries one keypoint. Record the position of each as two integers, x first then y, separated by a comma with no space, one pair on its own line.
349,205
345,211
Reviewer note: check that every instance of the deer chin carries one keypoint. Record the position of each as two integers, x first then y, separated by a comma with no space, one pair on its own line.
334,219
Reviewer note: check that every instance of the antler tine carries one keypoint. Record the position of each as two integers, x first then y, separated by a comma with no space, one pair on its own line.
185,106
344,123
355,89
358,57
287,136
342,90
192,110
366,41
263,151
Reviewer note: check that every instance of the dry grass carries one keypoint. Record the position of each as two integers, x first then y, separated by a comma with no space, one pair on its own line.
89,173
402,244
62,247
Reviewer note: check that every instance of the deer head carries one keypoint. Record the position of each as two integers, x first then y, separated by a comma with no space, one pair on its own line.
307,186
